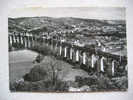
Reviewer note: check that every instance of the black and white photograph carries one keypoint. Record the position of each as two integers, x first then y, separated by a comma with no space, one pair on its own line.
67,49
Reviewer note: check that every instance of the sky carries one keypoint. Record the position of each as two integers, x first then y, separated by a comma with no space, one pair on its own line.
94,9
55,3
108,13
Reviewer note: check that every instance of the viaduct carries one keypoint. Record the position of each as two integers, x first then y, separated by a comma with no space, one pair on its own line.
89,58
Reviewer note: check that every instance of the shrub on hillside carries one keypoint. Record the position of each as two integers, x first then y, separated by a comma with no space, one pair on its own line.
39,58
17,45
37,73
103,83
39,86
86,81
43,49
120,82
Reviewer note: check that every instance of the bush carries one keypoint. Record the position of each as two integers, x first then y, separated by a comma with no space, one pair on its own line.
39,58
43,49
92,80
120,83
17,45
37,73
10,48
39,86
103,83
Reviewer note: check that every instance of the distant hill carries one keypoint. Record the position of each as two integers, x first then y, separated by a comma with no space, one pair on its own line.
48,24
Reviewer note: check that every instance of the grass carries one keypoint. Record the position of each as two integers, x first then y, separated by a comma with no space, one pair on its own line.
20,63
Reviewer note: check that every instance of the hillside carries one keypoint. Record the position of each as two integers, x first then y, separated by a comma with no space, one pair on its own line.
49,24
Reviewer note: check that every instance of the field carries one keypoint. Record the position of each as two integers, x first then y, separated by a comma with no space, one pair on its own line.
20,63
